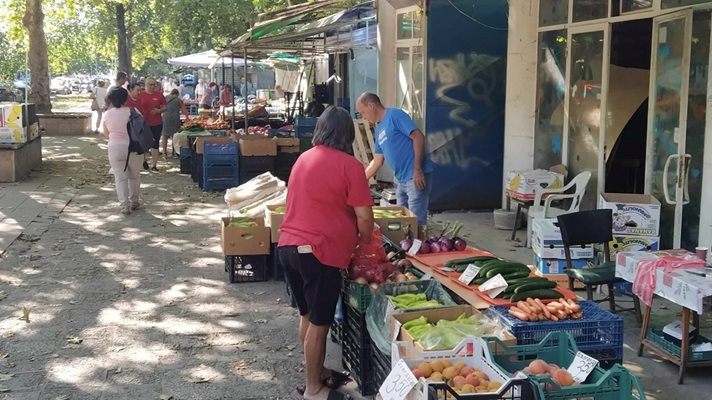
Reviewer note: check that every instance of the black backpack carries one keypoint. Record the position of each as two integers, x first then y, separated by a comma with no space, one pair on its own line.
140,135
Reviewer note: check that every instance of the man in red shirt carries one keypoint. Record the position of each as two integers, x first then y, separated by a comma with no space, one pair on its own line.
328,213
153,104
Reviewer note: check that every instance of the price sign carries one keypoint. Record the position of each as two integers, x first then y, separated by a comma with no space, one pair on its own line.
582,366
413,250
469,274
398,383
396,329
494,286
426,277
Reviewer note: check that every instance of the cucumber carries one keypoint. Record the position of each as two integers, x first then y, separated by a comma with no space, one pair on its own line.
510,276
484,267
469,260
537,294
534,286
505,268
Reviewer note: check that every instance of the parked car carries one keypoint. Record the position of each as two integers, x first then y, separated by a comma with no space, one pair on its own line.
8,93
60,86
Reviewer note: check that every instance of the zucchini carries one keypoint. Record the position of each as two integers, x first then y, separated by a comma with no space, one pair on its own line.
534,286
469,260
505,268
537,294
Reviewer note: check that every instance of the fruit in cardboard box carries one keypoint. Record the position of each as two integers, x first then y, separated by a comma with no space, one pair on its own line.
475,381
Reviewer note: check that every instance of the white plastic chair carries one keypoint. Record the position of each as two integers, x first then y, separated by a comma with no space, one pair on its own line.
539,210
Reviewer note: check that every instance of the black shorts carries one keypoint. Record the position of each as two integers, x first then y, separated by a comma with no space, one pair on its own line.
316,287
156,131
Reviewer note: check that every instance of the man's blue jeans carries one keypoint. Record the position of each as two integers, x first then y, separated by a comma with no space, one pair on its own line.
416,200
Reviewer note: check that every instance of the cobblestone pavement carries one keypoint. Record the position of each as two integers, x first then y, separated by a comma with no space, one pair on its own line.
131,307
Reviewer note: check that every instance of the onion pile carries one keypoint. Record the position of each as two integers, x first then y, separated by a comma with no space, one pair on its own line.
443,243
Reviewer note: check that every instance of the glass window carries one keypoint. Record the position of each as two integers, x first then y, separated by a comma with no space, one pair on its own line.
405,26
679,3
551,78
586,10
636,5
585,109
402,77
553,12
417,20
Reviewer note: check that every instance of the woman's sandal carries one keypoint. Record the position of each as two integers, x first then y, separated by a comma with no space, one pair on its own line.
336,380
333,394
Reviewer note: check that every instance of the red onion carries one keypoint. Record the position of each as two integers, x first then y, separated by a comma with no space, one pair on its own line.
435,248
445,244
424,248
405,244
459,244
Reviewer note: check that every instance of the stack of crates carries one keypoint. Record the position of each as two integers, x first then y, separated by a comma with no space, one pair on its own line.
304,126
220,166
185,160
251,166
356,350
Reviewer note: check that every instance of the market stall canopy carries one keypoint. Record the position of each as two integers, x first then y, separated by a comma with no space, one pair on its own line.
206,59
284,34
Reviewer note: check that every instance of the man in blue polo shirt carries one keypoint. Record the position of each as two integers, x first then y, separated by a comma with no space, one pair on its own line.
399,141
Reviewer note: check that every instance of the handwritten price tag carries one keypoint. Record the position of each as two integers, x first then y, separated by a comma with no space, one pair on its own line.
582,366
469,274
494,286
415,247
398,383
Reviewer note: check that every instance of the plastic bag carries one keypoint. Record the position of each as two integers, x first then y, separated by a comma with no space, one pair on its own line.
371,253
256,188
445,335
376,322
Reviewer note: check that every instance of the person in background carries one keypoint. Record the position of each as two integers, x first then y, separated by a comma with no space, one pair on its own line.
98,94
153,104
134,90
318,236
279,91
246,88
171,118
225,98
121,81
206,102
125,166
200,89
399,142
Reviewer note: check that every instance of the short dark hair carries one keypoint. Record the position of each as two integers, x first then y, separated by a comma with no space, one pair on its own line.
335,129
132,86
118,96
369,98
121,75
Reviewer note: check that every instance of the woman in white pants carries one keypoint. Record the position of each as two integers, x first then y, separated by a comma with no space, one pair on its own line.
127,175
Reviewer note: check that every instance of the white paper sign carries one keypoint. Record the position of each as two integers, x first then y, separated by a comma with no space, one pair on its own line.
582,366
494,286
469,274
398,383
413,250
396,330
426,277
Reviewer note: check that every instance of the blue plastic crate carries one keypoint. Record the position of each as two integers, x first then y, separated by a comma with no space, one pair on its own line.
304,126
598,333
220,177
623,288
184,152
220,153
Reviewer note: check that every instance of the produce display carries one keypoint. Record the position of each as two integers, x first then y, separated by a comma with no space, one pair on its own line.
535,310
202,123
256,130
371,265
413,300
559,375
381,213
242,223
446,334
463,378
448,240
280,209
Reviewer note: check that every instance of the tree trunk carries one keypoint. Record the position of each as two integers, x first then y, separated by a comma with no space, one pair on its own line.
124,58
33,21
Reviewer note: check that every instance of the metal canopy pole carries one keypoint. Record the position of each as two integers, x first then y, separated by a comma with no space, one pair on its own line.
232,100
245,94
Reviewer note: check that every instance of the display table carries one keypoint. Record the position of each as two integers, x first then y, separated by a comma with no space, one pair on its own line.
681,287
465,294
17,160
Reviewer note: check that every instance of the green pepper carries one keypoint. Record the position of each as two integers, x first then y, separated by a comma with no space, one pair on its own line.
415,322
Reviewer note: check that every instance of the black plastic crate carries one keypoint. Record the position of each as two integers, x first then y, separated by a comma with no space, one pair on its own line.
285,161
246,268
259,164
356,358
196,169
186,164
381,365
336,331
305,144
355,324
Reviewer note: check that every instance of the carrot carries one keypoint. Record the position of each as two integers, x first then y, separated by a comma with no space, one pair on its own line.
532,303
562,314
574,306
577,315
556,305
541,305
525,307
518,314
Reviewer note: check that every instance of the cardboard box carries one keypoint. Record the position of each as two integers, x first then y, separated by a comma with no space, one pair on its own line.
633,243
13,135
561,279
633,214
33,131
273,220
524,182
200,142
11,115
394,228
435,315
237,241
257,146
547,243
548,266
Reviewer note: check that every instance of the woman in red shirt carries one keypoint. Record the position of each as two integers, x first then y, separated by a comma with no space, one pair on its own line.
328,212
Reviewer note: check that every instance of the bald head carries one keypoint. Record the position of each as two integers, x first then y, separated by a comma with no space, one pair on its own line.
369,98
370,107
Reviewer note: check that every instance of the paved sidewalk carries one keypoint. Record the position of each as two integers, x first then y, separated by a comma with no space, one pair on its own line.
131,307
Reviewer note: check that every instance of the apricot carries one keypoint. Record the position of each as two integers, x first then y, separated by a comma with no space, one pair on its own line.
446,363
493,386
539,367
481,375
436,377
449,373
473,380
458,382
467,388
418,373
425,369
437,365
562,377
459,365
466,371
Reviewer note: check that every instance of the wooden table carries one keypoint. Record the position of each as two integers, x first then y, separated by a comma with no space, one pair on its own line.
678,286
467,295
